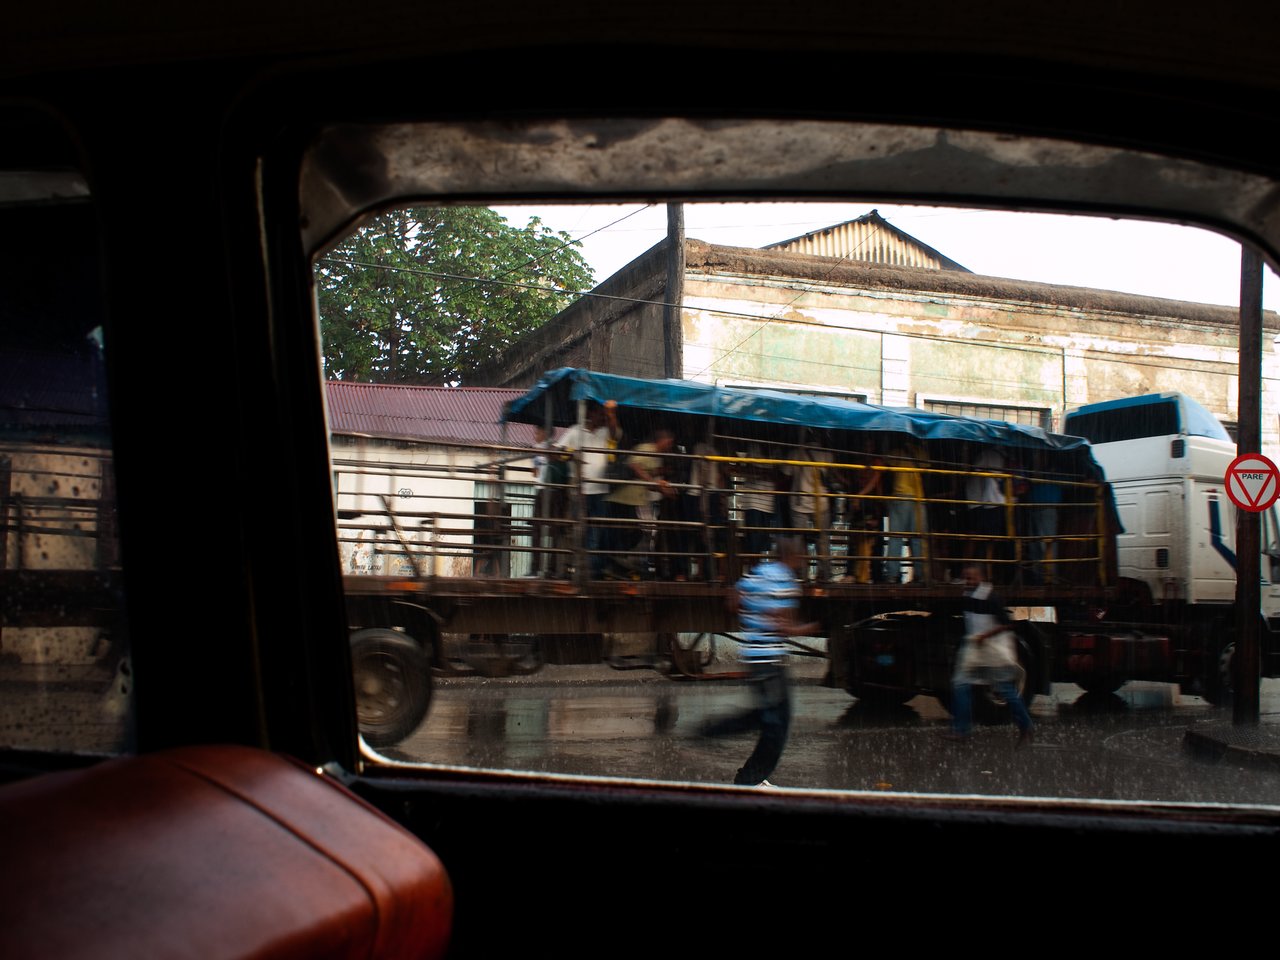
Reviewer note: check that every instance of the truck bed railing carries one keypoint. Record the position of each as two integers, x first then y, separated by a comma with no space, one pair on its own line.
481,511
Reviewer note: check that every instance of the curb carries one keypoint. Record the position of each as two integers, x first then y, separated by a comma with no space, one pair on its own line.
1218,740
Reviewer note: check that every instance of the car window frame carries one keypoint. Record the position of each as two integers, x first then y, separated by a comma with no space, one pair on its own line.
361,195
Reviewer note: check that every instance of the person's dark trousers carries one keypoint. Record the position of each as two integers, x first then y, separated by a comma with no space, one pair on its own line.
774,698
757,539
621,540
986,524
771,715
597,510
1002,680
678,540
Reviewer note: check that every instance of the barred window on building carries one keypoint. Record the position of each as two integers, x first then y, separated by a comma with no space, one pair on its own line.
853,396
503,535
1008,412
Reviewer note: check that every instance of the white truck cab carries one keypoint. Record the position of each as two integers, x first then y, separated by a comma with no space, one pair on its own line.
1166,458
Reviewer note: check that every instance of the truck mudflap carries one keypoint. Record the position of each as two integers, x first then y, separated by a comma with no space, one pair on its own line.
1100,661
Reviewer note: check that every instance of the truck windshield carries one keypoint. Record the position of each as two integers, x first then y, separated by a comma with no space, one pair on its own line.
1159,419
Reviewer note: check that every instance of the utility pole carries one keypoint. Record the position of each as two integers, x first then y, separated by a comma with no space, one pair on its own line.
1247,664
673,308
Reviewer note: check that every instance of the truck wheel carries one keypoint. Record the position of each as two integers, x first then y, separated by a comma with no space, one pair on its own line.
880,657
392,675
1218,683
689,652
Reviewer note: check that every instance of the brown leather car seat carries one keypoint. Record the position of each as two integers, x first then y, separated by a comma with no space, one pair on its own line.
211,851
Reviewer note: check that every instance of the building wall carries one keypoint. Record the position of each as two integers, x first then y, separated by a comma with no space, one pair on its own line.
905,336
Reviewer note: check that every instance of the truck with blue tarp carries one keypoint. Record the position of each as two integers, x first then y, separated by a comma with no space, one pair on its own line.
838,473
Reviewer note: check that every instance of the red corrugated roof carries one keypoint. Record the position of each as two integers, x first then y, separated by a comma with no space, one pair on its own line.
448,414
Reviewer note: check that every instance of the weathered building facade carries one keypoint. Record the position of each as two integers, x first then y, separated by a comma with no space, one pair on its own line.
942,339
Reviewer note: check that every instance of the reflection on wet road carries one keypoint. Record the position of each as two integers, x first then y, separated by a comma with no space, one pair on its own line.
605,723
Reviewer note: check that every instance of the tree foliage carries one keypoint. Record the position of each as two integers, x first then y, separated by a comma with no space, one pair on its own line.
425,295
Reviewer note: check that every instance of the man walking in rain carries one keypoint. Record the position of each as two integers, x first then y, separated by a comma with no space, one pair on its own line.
987,655
768,605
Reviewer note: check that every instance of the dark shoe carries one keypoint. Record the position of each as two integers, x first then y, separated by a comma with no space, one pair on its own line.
1025,738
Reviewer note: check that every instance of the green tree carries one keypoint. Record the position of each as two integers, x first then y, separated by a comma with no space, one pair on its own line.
426,294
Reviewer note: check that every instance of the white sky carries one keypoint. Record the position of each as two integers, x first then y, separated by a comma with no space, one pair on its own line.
1154,259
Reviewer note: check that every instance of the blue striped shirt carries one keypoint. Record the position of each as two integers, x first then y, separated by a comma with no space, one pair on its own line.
768,591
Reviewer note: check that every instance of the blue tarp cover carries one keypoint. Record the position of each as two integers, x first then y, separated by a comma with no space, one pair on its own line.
566,386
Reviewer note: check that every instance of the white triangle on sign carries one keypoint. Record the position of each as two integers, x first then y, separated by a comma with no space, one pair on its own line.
1253,481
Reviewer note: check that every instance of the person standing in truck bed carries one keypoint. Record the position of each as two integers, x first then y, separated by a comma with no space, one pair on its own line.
600,432
906,512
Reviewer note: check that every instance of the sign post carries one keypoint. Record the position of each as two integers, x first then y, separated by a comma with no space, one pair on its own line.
1253,484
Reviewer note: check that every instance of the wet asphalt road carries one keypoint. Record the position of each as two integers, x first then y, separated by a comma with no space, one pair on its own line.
601,722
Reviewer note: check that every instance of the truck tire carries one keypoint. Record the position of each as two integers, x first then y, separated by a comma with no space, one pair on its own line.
1218,680
392,677
891,683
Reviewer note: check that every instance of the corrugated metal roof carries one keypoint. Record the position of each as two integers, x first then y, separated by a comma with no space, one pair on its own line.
440,414
869,238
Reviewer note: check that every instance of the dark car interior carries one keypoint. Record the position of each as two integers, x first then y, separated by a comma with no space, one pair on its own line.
166,179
